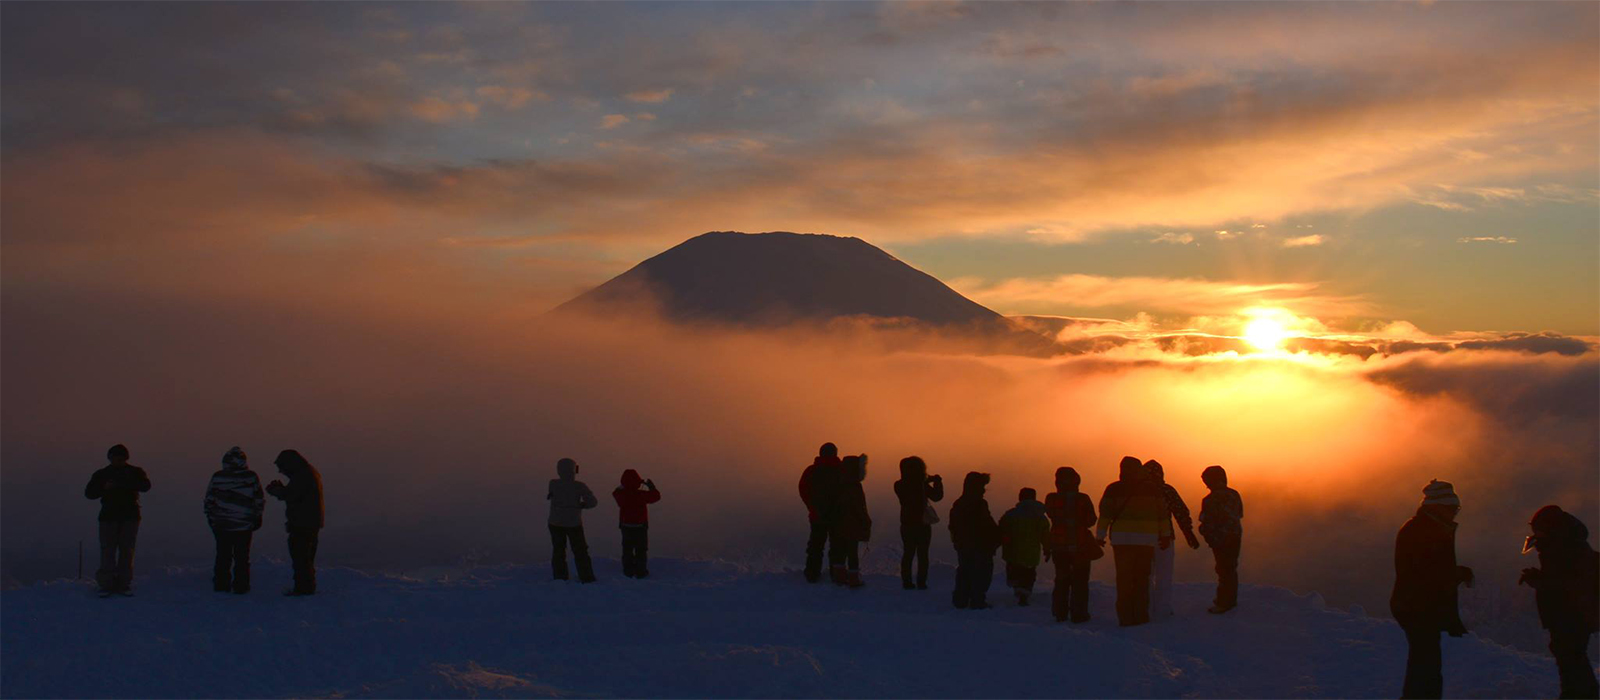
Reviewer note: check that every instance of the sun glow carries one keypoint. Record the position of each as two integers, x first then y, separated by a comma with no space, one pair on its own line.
1266,333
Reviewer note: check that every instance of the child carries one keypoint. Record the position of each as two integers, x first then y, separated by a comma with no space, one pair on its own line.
1220,513
851,523
1023,534
633,513
568,498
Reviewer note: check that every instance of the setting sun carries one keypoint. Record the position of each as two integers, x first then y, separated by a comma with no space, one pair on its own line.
1266,333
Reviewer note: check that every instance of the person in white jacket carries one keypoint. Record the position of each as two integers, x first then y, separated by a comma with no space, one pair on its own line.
234,503
568,498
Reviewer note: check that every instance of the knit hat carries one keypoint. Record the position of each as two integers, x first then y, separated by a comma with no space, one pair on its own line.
1027,494
235,458
1439,493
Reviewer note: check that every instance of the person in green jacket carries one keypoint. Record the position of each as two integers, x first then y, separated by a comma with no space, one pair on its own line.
1024,534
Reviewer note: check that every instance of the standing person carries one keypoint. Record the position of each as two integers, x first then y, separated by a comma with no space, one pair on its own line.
916,489
117,486
568,498
1072,546
1133,514
1024,536
1567,591
233,506
302,509
1426,576
1166,554
975,535
1220,514
633,516
818,484
851,523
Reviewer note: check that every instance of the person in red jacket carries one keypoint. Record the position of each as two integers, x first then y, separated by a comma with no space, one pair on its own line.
633,514
819,488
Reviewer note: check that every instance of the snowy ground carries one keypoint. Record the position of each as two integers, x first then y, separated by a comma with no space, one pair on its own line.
696,628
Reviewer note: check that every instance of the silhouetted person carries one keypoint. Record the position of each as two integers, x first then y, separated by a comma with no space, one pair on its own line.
851,523
302,510
568,498
1166,554
633,515
1024,534
975,535
916,489
1135,516
117,486
1425,581
1567,591
234,503
1221,514
818,485
1072,546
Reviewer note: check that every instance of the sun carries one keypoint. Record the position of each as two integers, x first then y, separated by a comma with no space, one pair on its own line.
1266,333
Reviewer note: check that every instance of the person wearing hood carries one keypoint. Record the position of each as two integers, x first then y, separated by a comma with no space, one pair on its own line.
303,516
916,490
1566,588
633,515
1024,536
851,523
1220,514
568,499
1072,546
1424,601
233,506
975,535
117,486
1134,516
819,484
1166,553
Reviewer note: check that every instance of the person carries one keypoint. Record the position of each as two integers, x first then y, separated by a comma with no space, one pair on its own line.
1072,546
1566,589
233,505
818,484
633,516
1024,536
1166,553
975,535
1220,514
916,490
303,517
852,525
1134,518
568,499
1426,576
117,486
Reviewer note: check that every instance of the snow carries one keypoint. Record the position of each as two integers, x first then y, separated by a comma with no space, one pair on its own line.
695,629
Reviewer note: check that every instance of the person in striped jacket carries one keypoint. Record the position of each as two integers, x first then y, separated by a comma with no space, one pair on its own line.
233,506
1166,551
1135,519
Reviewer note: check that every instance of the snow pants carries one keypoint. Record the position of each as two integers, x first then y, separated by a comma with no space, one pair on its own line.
1070,599
232,569
974,573
1571,649
845,554
1019,576
1225,548
559,538
118,539
303,555
1161,581
1133,582
1424,663
814,547
914,541
635,546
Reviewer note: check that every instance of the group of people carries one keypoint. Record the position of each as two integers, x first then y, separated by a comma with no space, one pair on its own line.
234,504
569,498
1136,516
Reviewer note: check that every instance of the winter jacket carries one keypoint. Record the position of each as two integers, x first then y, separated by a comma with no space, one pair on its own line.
1426,575
234,501
1175,505
972,527
850,519
633,503
302,496
819,483
120,501
1133,509
1071,516
1024,533
915,492
1567,586
569,497
1220,514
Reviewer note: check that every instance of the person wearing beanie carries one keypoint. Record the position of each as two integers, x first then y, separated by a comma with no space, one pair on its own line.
233,505
1134,518
852,525
1072,546
1166,555
568,499
1221,513
1424,601
1566,588
303,517
975,535
916,490
633,516
819,484
1024,535
117,486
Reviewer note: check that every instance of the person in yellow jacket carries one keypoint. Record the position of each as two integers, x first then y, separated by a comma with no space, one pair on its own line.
1135,519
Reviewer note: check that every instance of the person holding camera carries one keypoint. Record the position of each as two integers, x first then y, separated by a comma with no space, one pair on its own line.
633,515
916,490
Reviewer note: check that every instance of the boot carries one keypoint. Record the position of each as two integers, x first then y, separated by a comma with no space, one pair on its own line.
853,579
908,585
1022,596
839,575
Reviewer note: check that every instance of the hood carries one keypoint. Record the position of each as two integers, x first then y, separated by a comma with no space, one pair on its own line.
1130,469
1214,476
1154,472
1067,480
235,460
1028,508
855,467
913,469
291,462
566,469
974,484
631,480
1553,523
825,460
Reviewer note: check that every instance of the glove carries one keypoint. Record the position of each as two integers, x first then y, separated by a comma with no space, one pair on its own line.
1193,543
650,483
1164,542
1047,555
1464,574
1532,577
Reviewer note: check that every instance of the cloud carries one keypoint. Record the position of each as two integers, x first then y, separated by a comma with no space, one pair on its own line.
1504,240
1303,241
509,98
1184,295
440,111
612,121
650,96
1174,238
